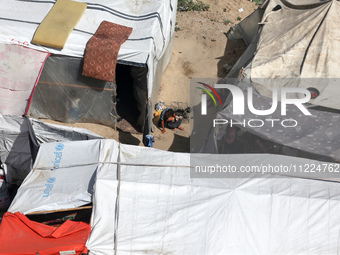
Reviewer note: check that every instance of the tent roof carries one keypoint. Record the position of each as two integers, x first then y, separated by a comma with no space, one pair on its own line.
16,136
145,200
152,23
302,43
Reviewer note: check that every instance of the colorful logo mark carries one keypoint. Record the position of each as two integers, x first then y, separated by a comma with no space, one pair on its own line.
208,92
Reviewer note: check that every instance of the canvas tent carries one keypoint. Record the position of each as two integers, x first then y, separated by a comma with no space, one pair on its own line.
300,41
315,136
21,137
145,53
290,44
145,201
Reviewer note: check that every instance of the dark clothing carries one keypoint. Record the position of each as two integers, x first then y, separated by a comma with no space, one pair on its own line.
163,114
168,124
173,125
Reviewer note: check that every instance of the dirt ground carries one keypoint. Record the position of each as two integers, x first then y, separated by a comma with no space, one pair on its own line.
201,50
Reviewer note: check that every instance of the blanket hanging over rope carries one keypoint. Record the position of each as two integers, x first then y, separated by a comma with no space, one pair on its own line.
102,50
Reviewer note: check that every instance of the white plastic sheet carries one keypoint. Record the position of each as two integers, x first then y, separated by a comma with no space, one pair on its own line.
15,142
145,202
62,177
300,41
153,25
163,211
20,69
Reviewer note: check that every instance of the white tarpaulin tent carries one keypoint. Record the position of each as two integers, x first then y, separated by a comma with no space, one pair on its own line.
297,45
55,182
291,44
145,202
16,136
153,25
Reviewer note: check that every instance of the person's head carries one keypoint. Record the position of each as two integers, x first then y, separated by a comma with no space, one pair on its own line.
169,113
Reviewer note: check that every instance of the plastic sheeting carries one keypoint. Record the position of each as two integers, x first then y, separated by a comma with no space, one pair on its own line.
46,132
153,25
248,29
162,210
299,41
56,180
23,236
15,140
145,202
317,135
14,147
65,95
16,90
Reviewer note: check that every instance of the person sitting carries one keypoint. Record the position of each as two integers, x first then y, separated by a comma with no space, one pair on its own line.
169,119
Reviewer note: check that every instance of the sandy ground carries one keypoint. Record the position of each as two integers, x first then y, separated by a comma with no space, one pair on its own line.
201,50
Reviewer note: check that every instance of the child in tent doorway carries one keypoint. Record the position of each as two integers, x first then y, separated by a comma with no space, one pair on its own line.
169,119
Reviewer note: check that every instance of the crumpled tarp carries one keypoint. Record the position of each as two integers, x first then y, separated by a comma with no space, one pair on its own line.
299,42
15,140
19,236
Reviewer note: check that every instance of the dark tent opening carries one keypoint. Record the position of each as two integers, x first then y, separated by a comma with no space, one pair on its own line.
131,97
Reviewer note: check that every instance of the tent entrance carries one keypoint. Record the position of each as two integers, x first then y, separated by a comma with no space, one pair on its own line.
57,217
131,97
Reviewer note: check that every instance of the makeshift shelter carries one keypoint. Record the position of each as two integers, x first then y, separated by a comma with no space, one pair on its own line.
290,45
20,138
63,93
146,201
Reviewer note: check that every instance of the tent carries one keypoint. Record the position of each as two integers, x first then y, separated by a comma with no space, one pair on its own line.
147,201
21,137
290,45
62,93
